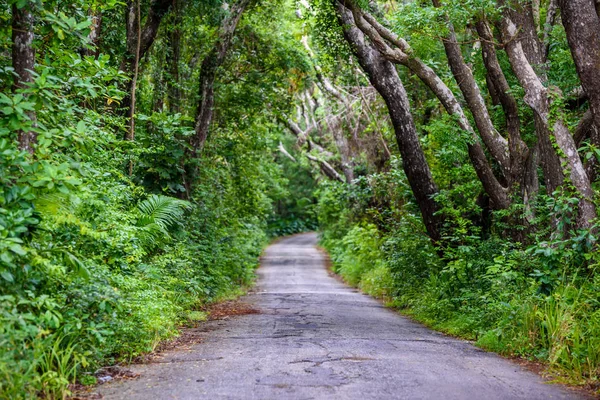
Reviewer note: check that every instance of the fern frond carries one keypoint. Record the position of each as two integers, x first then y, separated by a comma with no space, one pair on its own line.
158,215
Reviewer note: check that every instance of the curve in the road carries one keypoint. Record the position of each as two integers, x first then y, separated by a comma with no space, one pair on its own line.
316,338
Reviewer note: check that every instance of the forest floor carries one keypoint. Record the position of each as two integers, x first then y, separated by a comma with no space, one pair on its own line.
302,334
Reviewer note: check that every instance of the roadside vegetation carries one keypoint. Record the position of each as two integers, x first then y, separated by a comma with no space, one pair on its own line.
443,231
115,231
448,151
536,301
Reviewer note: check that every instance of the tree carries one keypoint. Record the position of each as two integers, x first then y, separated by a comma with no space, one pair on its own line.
524,51
404,55
582,26
208,73
23,62
517,161
139,39
385,79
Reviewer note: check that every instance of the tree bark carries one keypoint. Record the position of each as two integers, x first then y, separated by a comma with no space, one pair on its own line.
518,151
208,73
521,16
173,89
496,144
584,128
23,62
552,129
582,26
147,35
385,79
403,55
587,130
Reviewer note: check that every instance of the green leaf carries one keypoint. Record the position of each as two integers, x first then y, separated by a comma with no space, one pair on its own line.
81,127
7,276
83,24
17,249
76,264
5,99
6,258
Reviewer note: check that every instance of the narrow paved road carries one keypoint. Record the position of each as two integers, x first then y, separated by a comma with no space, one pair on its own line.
316,338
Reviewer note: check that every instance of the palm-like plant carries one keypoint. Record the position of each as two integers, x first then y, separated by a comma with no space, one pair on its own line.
158,214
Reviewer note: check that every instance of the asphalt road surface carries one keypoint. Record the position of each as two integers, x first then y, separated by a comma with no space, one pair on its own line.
316,338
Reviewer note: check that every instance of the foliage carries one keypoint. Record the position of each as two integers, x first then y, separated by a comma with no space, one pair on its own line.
295,204
521,280
107,246
538,301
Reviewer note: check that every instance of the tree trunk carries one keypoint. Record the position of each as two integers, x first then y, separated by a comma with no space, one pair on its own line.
341,143
552,129
550,21
23,62
521,15
208,73
582,26
326,169
94,36
158,9
301,138
518,151
147,35
173,89
404,55
465,79
385,79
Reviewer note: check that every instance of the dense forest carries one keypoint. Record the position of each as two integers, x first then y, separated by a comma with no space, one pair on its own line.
447,151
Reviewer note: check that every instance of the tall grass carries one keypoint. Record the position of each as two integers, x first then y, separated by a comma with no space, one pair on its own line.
57,365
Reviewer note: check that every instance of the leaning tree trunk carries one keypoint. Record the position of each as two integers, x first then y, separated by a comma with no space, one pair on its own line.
208,74
384,77
302,137
404,55
341,142
525,38
23,62
520,175
555,139
496,144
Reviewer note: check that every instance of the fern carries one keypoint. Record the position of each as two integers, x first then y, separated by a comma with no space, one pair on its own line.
158,215
60,208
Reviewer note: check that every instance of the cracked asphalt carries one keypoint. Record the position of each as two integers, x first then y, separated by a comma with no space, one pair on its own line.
316,338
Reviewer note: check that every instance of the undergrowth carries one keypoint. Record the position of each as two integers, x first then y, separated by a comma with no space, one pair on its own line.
539,301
